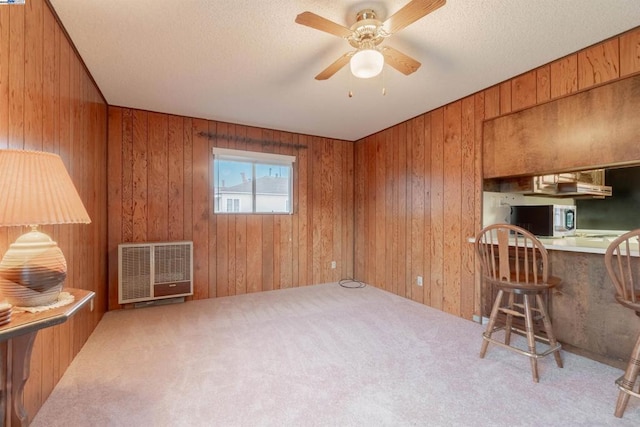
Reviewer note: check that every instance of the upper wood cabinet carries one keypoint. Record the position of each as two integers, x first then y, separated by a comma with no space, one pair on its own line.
588,130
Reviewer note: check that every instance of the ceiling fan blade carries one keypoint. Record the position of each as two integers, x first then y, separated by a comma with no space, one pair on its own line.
410,13
323,24
398,60
335,67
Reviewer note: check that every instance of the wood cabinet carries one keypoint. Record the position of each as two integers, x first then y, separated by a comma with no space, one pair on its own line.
591,129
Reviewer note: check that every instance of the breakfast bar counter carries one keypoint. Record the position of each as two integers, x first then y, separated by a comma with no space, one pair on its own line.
593,242
585,241
585,314
586,317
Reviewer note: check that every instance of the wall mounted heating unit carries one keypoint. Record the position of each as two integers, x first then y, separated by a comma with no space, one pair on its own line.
154,271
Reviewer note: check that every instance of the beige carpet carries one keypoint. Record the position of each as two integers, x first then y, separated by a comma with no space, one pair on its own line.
317,356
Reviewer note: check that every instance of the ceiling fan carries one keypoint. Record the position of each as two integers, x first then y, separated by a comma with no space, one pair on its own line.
367,34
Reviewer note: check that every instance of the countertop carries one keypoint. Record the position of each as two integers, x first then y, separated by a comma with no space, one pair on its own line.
586,241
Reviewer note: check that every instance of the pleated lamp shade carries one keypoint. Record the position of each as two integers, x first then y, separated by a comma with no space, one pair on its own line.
35,189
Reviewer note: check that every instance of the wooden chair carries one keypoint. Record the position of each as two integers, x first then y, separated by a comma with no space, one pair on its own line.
623,266
515,263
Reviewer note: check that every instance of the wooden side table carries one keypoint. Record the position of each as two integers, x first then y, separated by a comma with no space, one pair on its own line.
16,342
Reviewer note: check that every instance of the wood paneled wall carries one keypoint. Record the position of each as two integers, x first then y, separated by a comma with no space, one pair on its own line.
418,184
160,174
48,102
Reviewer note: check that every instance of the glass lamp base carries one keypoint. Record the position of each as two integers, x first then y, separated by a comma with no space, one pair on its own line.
32,271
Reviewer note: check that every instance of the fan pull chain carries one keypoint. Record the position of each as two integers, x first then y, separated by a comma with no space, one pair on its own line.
350,85
384,89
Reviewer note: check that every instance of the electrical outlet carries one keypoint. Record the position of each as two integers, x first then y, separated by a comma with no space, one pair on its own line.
333,265
419,280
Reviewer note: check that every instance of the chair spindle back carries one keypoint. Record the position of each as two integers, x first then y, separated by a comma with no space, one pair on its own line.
623,266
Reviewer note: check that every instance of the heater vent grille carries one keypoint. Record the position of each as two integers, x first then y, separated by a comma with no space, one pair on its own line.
172,263
148,271
135,272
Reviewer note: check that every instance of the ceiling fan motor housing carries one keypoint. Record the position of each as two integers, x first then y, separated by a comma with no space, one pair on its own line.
367,31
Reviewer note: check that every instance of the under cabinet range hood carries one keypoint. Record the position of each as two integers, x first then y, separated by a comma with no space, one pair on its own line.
574,184
577,189
527,185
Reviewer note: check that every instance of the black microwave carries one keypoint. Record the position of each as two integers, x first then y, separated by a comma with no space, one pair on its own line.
545,220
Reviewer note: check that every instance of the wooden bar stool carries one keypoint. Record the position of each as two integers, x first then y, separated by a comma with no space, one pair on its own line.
514,262
624,271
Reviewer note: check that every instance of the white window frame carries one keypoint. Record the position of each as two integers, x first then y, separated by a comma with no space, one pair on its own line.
254,158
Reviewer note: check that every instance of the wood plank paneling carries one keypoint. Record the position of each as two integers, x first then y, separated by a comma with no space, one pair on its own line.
187,141
4,87
33,79
33,109
175,158
50,142
158,178
403,277
301,183
437,212
389,281
127,176
48,102
380,189
285,231
233,254
452,206
418,200
140,177
630,53
201,159
469,201
448,163
506,99
427,235
492,102
64,142
475,283
346,269
254,253
543,84
491,108
598,64
524,90
564,76
16,79
393,244
115,165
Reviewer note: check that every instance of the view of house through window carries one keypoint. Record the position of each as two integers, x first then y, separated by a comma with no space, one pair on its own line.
252,182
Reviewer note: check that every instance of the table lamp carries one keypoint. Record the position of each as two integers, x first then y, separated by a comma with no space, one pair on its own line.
35,189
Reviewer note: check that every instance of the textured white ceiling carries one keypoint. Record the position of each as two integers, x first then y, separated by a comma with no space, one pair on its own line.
248,62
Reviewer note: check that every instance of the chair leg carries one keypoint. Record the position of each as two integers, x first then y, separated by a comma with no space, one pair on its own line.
629,379
507,329
492,323
531,339
549,330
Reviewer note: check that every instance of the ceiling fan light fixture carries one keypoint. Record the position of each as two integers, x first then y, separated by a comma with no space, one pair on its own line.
366,63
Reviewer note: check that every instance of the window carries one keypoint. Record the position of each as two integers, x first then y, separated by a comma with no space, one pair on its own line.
252,182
